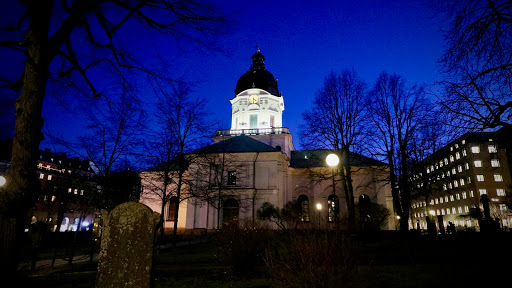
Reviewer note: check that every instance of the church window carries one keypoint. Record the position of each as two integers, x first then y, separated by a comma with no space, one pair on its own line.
333,208
253,121
304,208
171,208
231,177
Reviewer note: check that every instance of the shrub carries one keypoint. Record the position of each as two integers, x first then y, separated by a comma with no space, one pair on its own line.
304,259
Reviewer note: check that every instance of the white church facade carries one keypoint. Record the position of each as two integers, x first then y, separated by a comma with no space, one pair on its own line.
255,162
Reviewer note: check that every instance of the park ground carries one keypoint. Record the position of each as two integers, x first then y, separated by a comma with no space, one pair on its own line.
387,259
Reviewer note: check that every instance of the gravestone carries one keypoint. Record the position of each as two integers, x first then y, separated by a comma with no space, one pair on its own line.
126,253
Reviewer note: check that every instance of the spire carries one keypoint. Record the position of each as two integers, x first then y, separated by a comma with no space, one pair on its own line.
258,60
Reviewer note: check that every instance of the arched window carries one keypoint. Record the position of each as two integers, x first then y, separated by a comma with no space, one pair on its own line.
171,208
230,210
333,208
304,208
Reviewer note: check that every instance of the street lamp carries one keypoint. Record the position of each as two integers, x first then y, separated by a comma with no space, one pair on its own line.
333,160
318,208
2,181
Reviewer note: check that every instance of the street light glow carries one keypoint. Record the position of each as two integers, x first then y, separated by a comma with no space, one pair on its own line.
318,206
332,160
2,181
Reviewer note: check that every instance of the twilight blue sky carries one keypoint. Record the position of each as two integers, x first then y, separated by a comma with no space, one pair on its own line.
302,42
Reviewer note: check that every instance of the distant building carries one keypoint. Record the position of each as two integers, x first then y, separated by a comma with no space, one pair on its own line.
453,179
255,162
67,189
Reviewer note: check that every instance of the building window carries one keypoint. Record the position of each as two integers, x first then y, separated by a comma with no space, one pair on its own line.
464,195
76,191
469,180
441,163
492,149
455,183
446,161
454,211
81,192
454,171
478,163
480,178
464,153
447,211
457,196
498,178
500,192
482,191
459,168
452,158
466,209
457,155
462,182
171,208
446,199
475,149
69,190
452,198
495,163
332,206
450,185
437,201
503,207
441,200
53,198
460,210
304,208
272,121
444,187
471,193
231,177
41,176
49,177
466,166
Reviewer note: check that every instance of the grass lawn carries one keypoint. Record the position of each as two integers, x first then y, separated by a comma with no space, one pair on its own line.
389,261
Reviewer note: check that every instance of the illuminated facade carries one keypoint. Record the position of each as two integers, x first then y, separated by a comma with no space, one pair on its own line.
453,179
255,162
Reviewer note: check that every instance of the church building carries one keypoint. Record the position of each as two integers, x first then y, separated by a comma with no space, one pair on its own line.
255,163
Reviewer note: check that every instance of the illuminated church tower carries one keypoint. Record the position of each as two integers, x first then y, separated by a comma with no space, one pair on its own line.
257,108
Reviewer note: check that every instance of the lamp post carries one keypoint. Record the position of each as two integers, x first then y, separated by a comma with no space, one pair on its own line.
318,208
332,161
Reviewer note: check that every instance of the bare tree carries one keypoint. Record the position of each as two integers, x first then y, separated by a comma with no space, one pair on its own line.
336,121
478,63
68,42
396,111
184,125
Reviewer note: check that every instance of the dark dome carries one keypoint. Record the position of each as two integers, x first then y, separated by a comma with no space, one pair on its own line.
257,77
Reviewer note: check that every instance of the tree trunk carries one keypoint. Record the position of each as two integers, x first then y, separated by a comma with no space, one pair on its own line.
23,187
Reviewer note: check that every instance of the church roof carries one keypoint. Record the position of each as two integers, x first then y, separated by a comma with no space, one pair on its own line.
316,158
238,144
257,77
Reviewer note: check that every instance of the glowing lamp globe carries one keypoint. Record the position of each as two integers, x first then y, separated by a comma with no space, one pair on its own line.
332,160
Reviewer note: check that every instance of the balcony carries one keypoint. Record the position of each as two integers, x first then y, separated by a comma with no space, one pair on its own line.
260,131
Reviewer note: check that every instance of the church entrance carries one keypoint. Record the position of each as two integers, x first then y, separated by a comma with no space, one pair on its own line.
230,212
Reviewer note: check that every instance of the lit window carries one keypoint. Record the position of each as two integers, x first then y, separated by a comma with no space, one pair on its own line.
457,196
428,170
503,207
454,211
480,178
463,195
446,199
76,191
40,164
437,201
466,166
438,212
492,149
69,190
53,198
41,176
442,211
498,178
500,192
446,161
448,173
495,163
462,182
450,185
447,211
459,168
475,149
441,163
469,180
471,194
441,200
464,153
81,192
444,187
231,177
432,202
478,163
451,148
455,183
333,208
452,158
466,209
49,177
463,142
460,209
452,198
482,191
